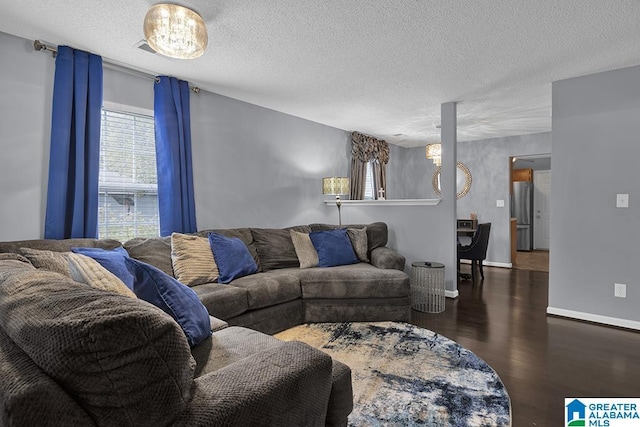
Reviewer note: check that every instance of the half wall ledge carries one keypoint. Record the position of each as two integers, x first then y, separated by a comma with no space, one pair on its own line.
390,202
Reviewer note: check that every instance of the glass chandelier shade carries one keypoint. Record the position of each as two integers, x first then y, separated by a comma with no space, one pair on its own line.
175,31
434,152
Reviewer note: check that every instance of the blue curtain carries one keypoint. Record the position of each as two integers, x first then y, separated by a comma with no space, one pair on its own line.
72,195
173,156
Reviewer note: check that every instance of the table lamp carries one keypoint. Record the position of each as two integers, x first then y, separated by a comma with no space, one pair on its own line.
336,185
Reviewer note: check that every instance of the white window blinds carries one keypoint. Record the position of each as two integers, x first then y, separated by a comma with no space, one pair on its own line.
368,186
128,185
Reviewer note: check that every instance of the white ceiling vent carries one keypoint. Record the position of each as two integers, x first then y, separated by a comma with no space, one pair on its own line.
143,45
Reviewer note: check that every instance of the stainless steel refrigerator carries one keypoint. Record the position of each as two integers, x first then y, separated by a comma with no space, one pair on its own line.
522,211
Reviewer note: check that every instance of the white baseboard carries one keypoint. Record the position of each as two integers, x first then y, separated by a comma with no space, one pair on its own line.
451,294
589,317
490,263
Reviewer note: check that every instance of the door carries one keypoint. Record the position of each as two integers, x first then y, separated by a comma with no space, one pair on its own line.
542,208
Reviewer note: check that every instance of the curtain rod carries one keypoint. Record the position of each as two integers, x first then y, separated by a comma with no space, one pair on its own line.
39,46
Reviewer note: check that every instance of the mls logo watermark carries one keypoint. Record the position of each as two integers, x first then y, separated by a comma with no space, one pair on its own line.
602,412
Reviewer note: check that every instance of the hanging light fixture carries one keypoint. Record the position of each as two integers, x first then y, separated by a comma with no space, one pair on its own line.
175,31
434,152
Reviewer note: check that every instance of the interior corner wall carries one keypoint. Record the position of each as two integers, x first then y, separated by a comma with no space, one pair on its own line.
596,123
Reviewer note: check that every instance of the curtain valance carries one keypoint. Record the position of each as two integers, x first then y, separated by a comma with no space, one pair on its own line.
366,148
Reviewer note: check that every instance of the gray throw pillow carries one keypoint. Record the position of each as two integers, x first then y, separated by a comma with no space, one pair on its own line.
358,237
275,248
307,254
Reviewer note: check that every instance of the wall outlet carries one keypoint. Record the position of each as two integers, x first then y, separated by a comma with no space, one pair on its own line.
500,203
620,290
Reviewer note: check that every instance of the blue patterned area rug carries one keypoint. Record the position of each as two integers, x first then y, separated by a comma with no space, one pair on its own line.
404,375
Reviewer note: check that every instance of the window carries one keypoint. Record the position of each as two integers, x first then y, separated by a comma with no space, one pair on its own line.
368,186
128,184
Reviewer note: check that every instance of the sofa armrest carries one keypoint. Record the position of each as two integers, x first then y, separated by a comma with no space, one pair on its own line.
384,257
288,385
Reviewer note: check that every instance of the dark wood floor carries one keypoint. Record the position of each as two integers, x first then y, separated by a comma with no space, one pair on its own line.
541,359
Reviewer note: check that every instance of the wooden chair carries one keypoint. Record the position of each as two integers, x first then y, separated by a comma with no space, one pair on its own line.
476,251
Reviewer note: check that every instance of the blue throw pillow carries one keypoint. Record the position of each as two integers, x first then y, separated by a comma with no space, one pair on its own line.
333,247
112,260
232,257
179,301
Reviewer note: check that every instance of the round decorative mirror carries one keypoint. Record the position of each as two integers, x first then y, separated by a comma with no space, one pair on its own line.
463,180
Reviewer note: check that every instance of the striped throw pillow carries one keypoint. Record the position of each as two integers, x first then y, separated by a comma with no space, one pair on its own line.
192,259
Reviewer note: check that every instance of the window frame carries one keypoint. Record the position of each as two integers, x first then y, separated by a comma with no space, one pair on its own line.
369,183
131,111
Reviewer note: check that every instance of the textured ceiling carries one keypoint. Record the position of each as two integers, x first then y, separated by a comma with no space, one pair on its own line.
381,67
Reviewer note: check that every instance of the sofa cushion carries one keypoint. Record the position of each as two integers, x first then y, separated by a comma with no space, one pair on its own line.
358,237
353,281
222,301
123,360
62,245
307,254
269,288
232,257
155,251
112,260
78,267
275,247
177,300
229,346
192,259
334,247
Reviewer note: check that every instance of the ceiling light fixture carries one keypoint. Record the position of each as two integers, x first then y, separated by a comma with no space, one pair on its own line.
175,31
434,152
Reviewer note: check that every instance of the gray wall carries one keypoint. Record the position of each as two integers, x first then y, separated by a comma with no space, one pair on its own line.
25,124
488,162
409,176
596,123
255,166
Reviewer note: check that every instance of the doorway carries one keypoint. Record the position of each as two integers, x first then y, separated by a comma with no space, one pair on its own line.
537,170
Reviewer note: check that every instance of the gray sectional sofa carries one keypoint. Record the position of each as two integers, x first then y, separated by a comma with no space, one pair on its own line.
282,295
75,355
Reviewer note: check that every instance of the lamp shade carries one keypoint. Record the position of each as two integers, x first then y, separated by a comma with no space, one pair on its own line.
434,152
175,31
335,185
